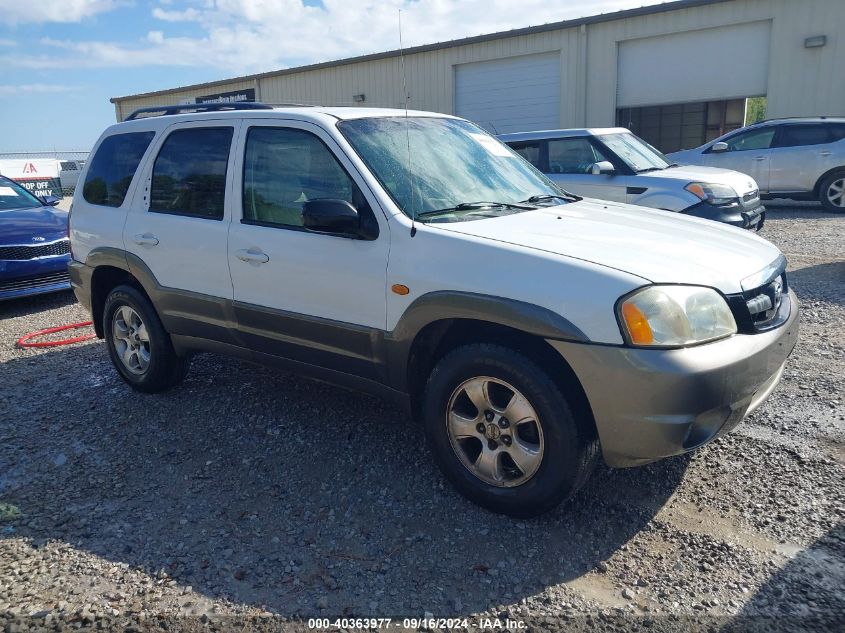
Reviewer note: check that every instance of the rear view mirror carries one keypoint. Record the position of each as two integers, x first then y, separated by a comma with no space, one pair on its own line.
603,167
331,216
721,146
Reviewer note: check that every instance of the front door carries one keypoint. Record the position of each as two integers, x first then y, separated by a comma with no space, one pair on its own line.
571,163
748,152
315,298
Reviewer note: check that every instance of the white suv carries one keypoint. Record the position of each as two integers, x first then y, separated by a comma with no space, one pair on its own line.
419,258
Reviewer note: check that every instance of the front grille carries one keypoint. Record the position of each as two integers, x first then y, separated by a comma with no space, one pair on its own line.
762,308
33,283
27,251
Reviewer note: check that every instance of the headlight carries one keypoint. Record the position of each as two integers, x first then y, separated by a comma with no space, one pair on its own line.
673,316
712,193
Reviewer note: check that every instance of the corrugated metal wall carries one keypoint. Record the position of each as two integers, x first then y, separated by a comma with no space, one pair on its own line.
801,81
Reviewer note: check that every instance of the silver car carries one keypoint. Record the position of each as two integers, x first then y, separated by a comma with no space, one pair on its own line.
614,164
801,159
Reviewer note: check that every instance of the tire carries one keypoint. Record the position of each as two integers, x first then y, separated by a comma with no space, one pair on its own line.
138,344
832,192
556,452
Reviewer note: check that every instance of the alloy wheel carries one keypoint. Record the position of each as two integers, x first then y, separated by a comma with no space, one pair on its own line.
836,193
131,340
495,431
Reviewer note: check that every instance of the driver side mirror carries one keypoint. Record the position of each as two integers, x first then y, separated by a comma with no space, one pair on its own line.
49,201
721,146
603,167
336,217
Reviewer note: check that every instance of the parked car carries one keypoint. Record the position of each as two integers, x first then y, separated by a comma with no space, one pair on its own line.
614,164
69,174
34,245
527,330
801,159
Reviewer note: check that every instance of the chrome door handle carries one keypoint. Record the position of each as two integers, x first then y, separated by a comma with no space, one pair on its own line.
147,239
253,256
825,153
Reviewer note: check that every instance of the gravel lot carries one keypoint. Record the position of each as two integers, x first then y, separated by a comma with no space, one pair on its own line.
251,493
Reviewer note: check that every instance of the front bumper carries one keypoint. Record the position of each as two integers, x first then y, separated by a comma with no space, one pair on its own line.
649,404
745,217
24,278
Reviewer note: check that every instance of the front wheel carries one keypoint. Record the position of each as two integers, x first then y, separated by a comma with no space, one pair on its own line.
832,192
503,433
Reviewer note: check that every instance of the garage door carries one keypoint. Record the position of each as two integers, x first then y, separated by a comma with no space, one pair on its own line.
723,63
515,94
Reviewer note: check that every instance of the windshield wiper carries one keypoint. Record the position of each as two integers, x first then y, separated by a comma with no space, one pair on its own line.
642,171
547,197
474,206
670,165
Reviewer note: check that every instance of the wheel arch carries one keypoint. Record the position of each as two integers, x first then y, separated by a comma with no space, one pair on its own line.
110,269
821,179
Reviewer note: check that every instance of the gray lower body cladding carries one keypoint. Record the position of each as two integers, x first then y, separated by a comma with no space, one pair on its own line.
649,404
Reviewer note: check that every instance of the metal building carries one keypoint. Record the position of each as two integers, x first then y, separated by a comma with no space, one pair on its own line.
677,73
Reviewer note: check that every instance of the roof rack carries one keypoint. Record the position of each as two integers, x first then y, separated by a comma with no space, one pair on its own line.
198,107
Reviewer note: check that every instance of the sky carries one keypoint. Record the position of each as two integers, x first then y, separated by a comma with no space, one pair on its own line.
61,60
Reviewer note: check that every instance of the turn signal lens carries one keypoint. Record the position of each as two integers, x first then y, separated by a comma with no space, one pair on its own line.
637,324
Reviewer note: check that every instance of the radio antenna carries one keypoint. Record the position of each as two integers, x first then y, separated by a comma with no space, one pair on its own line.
407,128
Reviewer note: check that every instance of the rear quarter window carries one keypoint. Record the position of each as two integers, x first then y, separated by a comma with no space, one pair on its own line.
113,168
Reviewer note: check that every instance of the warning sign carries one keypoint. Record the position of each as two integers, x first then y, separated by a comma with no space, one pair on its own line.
40,176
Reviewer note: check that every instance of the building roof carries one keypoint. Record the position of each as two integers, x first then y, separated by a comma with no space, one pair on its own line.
530,30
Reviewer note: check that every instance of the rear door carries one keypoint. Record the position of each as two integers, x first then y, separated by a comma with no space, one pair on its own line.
179,222
570,164
748,152
316,298
800,154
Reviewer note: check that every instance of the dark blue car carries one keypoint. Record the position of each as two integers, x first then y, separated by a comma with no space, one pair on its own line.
34,245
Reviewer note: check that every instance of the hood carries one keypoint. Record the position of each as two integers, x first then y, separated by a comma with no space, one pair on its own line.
741,183
19,226
658,246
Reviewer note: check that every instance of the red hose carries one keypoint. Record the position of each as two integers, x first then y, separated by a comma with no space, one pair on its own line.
23,341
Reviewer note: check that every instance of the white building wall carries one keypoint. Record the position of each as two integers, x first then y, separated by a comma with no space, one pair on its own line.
800,81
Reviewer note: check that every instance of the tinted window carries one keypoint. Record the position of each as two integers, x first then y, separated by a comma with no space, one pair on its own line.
113,167
283,168
837,131
189,176
529,150
572,156
796,135
755,139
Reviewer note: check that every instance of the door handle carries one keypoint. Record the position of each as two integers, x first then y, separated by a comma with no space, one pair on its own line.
825,153
253,256
759,158
147,239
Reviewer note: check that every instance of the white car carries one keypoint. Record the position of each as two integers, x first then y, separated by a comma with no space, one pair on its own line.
614,164
419,258
798,158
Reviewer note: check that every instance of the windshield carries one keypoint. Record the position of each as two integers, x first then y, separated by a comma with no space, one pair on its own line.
452,162
637,154
13,196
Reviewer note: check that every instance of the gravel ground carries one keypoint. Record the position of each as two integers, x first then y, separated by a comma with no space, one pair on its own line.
248,496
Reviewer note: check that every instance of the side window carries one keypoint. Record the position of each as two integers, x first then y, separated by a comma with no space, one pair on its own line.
797,135
189,175
572,156
529,150
283,168
837,131
113,167
755,139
